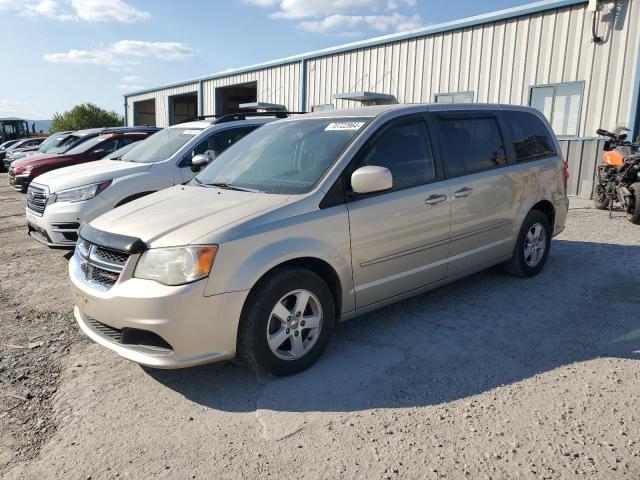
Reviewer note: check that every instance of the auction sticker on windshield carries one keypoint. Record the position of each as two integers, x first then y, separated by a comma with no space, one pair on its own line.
191,132
344,126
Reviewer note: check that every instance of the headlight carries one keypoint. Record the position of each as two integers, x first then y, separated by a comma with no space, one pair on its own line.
23,170
176,265
80,194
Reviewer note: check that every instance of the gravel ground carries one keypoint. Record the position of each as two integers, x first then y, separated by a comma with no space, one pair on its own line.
489,377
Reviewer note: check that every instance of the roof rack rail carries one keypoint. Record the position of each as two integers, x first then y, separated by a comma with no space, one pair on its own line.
117,130
232,117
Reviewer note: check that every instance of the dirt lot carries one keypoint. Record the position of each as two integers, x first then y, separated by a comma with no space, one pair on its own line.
490,377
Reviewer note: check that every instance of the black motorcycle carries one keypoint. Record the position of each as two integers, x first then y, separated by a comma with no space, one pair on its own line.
618,176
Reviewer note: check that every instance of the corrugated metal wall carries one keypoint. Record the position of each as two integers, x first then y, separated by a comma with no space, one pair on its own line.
279,84
583,156
499,62
162,102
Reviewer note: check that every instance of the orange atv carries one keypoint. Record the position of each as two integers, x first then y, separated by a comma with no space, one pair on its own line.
618,176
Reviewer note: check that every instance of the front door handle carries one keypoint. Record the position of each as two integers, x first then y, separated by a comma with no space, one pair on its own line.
435,199
463,192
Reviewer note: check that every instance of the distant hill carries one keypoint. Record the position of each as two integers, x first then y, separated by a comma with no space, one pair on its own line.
41,125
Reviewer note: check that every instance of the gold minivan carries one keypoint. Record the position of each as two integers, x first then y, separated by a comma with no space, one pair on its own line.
313,220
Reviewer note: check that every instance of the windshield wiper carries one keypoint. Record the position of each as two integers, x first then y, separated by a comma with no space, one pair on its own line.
228,186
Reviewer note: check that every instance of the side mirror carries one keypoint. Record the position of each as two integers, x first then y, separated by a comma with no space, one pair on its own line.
199,161
371,179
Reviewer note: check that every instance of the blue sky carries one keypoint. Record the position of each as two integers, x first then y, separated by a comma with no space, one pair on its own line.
58,53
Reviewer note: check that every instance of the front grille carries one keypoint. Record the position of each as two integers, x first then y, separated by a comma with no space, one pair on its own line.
111,256
100,265
37,199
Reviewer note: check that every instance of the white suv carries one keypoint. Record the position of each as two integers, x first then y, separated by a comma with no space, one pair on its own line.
58,202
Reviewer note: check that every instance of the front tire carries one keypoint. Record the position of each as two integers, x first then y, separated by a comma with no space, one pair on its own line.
532,246
634,215
287,322
600,198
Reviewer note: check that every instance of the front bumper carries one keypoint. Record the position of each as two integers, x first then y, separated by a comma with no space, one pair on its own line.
197,329
19,182
58,225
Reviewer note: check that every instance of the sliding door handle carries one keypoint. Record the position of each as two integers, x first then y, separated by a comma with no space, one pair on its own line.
435,199
463,192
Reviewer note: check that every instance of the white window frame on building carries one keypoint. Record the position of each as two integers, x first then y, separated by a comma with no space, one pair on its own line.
322,107
454,97
551,99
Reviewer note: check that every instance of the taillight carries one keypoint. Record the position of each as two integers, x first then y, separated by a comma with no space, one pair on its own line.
565,173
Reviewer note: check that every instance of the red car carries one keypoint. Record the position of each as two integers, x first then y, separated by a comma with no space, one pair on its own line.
88,145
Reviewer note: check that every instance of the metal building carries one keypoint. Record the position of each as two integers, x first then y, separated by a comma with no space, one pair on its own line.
580,67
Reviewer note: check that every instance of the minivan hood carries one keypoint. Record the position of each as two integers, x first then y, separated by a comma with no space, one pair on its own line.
182,214
90,172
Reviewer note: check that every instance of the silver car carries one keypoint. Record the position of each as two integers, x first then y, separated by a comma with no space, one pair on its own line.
314,220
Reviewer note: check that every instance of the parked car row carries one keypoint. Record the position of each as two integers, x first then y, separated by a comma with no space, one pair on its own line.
77,147
11,148
254,235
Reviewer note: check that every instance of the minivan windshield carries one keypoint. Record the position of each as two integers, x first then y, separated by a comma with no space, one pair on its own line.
161,145
286,157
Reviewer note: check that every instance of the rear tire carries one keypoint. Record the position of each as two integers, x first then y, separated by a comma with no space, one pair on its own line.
532,246
286,322
634,215
600,199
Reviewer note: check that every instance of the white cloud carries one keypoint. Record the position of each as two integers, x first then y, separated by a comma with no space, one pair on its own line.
295,9
107,11
10,108
125,87
259,3
346,24
161,50
133,79
344,17
95,57
119,53
76,10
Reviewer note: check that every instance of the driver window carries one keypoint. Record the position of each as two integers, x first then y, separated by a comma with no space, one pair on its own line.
405,150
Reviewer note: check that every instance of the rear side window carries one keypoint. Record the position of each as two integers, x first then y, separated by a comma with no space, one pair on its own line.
472,144
405,150
531,138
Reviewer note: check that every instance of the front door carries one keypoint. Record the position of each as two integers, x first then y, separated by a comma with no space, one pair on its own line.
399,238
484,193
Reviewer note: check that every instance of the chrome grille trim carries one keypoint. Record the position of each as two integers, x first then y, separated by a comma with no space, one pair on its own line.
101,266
37,198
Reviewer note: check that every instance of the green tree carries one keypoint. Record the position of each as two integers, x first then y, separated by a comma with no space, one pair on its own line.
86,115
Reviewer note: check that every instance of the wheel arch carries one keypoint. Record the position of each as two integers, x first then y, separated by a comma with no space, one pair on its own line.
316,265
547,208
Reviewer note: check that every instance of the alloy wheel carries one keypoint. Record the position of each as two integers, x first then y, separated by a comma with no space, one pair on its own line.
294,325
535,244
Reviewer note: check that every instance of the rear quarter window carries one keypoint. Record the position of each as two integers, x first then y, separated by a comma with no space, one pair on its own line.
531,138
